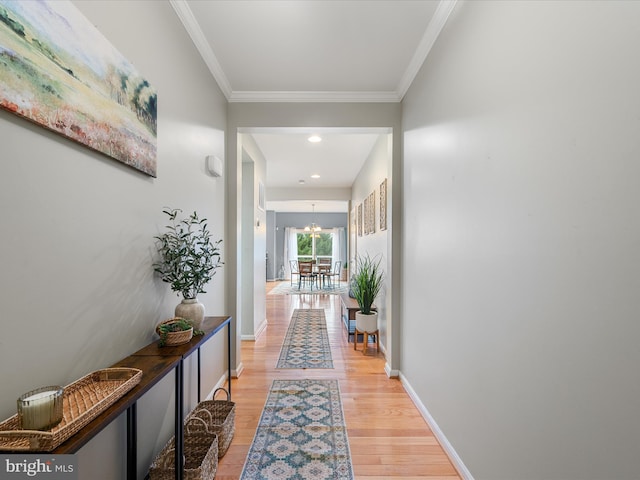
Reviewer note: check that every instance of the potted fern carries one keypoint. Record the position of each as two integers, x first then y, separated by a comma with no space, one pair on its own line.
366,285
188,261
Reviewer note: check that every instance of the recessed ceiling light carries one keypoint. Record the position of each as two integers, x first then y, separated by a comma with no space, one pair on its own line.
315,175
314,139
301,182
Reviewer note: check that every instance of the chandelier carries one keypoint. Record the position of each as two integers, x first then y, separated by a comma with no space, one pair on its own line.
313,228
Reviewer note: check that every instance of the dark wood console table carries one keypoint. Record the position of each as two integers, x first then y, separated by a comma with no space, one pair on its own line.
348,309
155,363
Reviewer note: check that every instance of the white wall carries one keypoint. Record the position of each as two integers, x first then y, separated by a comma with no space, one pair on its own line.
247,250
376,245
273,273
77,291
521,238
254,239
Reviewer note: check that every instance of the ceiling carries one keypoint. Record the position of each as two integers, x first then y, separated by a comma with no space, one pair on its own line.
293,159
313,51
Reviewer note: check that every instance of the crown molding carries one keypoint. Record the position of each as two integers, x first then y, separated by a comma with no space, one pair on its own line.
437,23
327,97
442,13
195,32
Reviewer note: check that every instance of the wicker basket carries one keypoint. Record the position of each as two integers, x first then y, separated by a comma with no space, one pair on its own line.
82,401
220,416
200,461
175,338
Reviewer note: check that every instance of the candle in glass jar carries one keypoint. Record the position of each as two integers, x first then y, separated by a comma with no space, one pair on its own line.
40,409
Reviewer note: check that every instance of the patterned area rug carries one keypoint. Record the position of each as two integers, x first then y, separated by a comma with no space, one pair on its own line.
301,434
286,288
306,343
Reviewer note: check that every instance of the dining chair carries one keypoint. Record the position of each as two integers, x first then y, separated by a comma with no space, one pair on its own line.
324,261
293,266
334,273
323,269
305,272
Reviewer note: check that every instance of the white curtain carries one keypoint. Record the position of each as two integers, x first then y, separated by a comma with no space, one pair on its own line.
290,249
339,245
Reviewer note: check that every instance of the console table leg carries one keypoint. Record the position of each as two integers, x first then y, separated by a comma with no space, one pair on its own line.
229,357
179,433
198,375
132,442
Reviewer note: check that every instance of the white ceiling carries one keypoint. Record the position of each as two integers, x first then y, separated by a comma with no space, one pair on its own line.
313,51
293,159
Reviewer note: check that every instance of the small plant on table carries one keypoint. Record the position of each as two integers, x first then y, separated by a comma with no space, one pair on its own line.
178,326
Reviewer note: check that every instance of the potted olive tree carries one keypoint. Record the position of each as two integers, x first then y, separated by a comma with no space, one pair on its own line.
366,284
188,260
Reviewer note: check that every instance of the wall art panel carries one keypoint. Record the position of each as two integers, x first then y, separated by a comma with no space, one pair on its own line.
58,71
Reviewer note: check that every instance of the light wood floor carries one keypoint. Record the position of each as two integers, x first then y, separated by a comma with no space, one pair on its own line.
387,435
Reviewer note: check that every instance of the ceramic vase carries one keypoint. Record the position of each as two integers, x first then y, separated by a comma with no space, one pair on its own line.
192,310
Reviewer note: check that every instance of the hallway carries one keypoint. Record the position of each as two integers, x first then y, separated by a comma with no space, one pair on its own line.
387,435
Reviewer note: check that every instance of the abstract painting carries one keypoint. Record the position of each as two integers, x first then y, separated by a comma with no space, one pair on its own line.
58,71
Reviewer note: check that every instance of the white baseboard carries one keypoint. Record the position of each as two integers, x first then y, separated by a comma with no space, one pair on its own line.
256,334
390,372
235,373
219,384
261,328
383,349
387,368
463,471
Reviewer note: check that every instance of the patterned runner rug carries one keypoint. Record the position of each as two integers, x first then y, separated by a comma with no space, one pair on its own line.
286,288
301,435
306,343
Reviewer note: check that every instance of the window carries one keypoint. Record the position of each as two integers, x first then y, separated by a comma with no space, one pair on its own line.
312,246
